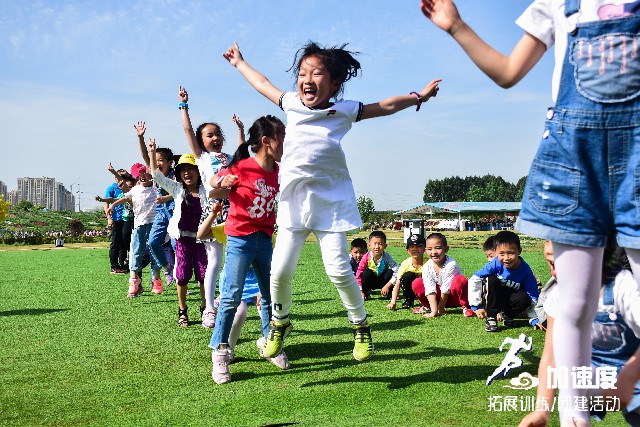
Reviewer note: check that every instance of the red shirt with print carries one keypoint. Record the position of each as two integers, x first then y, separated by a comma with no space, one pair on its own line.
252,198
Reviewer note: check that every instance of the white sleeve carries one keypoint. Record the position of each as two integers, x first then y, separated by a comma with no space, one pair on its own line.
551,303
451,269
475,291
626,297
169,185
427,278
206,170
537,20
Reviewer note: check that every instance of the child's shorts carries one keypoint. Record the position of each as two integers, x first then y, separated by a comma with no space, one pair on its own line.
584,182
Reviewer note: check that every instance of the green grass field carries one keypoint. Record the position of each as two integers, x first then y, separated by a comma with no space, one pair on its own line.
75,351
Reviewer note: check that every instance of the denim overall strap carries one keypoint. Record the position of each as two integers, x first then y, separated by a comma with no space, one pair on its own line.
571,7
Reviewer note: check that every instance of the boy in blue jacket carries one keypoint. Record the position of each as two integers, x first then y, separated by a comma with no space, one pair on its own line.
516,289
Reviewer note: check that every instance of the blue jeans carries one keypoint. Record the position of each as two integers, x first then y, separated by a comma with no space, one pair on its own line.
242,252
157,237
138,245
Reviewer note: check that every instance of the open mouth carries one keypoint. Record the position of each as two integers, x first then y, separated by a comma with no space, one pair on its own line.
309,93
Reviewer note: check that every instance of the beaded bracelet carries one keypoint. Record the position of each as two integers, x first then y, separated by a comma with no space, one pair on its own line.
419,100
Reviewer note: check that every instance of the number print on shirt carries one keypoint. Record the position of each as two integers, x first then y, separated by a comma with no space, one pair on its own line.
264,201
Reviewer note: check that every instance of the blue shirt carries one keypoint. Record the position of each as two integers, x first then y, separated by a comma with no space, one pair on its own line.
520,278
116,193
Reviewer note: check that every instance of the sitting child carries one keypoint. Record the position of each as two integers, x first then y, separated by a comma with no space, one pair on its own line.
443,284
358,249
409,272
516,289
377,269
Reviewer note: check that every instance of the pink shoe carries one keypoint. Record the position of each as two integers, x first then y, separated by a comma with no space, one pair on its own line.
135,288
280,359
467,312
220,371
156,287
208,319
421,310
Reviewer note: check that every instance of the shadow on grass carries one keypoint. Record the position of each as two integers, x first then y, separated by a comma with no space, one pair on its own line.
32,311
446,374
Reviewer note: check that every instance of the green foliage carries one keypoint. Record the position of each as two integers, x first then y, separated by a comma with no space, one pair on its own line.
75,227
24,205
365,207
487,188
4,207
94,357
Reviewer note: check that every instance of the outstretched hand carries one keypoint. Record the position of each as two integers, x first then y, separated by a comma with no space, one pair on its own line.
183,96
233,54
140,128
430,90
152,145
238,122
443,13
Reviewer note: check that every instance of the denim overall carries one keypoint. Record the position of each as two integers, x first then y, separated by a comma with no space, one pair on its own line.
613,343
585,178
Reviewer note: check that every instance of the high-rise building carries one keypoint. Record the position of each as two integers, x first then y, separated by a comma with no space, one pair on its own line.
45,192
3,190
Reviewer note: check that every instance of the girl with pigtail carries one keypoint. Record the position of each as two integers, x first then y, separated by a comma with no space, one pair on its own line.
252,185
206,144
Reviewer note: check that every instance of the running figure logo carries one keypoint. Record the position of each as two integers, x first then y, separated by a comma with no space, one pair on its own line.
511,360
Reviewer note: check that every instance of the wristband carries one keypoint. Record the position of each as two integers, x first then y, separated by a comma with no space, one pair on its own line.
219,181
419,100
183,106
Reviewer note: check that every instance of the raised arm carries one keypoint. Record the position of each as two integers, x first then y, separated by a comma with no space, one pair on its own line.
238,122
140,130
183,97
398,103
153,165
255,78
504,70
114,173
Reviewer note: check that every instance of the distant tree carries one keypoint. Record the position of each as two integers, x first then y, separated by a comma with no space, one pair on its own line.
365,207
452,189
487,188
24,205
75,227
4,207
520,188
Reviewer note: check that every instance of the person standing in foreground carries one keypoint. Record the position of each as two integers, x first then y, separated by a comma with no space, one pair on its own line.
582,185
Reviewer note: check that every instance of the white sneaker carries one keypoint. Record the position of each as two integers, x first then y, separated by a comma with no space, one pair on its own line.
208,319
220,371
280,359
232,354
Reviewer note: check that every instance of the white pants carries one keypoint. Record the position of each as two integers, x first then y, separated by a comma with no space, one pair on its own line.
214,261
335,255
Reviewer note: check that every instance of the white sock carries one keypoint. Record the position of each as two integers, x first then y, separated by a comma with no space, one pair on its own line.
238,322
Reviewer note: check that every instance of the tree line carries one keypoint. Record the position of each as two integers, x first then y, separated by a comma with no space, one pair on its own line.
487,188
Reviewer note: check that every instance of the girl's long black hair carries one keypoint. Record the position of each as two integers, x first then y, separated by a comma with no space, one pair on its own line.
339,62
268,126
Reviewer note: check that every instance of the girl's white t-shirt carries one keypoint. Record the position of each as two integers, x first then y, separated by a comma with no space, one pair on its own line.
545,20
144,205
316,191
626,301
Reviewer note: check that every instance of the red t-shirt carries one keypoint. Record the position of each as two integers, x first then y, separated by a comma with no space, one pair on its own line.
252,198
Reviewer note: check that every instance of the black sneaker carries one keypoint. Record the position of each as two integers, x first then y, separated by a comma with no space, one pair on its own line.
408,303
491,324
508,322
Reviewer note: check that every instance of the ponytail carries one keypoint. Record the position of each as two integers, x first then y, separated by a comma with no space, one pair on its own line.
268,126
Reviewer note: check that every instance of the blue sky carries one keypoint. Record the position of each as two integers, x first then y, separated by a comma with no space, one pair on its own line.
77,75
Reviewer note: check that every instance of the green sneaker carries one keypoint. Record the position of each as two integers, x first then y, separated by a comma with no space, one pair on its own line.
363,347
275,338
